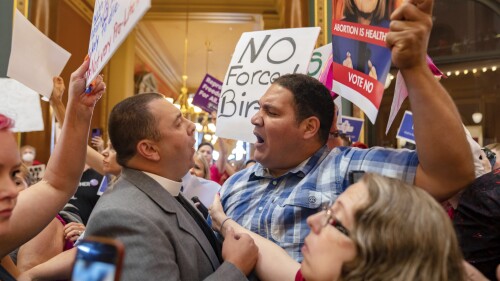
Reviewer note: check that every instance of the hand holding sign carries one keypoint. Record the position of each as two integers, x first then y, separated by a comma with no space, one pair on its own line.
111,23
409,33
77,87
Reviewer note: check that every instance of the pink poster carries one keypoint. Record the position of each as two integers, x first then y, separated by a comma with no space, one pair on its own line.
361,60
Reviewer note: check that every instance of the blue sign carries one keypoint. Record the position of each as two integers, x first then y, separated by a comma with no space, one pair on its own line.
352,127
406,128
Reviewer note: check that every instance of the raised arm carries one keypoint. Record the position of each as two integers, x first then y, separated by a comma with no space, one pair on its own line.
93,158
42,201
57,268
444,154
270,254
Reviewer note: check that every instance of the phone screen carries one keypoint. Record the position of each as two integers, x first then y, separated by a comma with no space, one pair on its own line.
97,261
96,132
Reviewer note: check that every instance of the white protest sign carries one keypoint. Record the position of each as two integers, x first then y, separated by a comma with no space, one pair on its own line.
259,58
400,94
34,69
21,104
112,22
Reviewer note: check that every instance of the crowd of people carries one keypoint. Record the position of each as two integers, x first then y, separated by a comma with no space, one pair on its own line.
309,205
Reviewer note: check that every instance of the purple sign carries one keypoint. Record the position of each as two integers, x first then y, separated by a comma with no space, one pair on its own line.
207,96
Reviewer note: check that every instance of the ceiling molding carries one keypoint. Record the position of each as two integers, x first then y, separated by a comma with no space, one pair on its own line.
223,6
206,17
82,8
148,49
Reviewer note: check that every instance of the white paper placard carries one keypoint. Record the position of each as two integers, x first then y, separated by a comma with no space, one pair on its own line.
21,104
259,58
34,58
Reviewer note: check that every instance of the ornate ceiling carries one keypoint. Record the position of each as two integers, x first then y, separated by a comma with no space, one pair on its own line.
213,30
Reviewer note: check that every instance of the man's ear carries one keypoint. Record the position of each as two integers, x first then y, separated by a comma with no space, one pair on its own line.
148,150
310,127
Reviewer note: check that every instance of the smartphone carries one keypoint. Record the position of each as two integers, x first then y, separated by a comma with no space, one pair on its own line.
98,259
96,132
355,176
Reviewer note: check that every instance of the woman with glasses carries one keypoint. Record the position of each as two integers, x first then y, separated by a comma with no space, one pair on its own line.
378,229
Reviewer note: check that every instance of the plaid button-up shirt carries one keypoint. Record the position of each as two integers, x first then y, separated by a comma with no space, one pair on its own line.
277,208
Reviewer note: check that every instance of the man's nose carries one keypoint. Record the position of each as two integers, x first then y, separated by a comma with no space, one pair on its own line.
256,119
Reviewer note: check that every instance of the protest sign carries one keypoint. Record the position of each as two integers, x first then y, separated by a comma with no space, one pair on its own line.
361,60
112,22
21,104
259,58
207,96
321,66
34,69
36,173
352,127
319,59
204,189
401,92
405,130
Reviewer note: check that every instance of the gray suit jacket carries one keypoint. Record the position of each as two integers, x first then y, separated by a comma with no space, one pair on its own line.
162,241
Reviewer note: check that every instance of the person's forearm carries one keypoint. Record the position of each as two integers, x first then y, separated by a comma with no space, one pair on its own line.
229,169
270,254
57,268
64,169
59,110
443,151
47,244
94,160
222,160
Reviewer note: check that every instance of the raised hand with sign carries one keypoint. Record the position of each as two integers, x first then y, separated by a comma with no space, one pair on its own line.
444,169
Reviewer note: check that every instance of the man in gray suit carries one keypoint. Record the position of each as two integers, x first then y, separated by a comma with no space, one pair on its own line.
163,238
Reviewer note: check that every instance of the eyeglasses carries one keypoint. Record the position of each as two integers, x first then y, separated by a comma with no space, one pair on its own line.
330,219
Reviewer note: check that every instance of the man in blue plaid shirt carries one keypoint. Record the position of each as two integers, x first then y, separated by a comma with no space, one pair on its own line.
296,175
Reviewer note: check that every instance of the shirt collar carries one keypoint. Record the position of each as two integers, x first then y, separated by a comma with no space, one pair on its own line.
300,170
173,187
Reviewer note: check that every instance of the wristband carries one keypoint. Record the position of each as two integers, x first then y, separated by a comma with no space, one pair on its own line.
222,224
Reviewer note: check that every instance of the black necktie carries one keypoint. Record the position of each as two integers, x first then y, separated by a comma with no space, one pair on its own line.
216,243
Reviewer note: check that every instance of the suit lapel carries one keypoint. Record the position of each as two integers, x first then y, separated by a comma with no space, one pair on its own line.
170,205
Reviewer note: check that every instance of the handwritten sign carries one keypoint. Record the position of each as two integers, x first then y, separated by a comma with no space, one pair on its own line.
21,104
34,69
112,22
207,96
361,60
352,127
405,130
259,58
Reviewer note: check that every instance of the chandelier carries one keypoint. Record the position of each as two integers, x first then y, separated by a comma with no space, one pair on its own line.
204,122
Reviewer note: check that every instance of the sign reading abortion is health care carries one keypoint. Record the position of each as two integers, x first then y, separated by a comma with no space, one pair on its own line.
207,96
361,60
111,23
406,128
259,58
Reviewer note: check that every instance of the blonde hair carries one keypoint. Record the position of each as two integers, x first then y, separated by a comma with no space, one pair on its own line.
494,146
402,233
206,167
